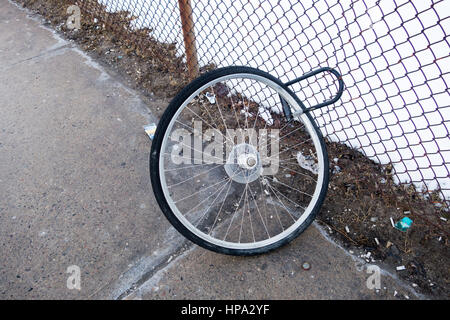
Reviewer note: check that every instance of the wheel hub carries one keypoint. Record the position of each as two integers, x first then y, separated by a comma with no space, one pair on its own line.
243,164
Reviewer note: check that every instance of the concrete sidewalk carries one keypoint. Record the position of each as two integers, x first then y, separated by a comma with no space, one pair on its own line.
75,190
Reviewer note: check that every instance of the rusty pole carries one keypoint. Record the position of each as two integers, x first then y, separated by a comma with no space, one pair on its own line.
187,23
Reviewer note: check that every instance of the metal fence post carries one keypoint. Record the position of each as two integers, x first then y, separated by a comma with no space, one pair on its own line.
187,23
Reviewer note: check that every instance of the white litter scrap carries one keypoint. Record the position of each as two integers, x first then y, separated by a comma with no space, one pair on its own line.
377,242
400,268
307,163
247,114
347,229
211,97
150,130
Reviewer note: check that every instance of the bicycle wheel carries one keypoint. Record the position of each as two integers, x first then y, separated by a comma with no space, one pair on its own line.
229,171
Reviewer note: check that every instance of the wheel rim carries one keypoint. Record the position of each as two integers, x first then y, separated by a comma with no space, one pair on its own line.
258,198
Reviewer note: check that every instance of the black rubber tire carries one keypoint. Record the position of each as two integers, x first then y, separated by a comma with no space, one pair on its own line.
155,154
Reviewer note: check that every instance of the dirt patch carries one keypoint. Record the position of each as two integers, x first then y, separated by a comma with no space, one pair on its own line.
362,196
360,203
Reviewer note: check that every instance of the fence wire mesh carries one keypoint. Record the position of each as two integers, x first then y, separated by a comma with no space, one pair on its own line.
394,57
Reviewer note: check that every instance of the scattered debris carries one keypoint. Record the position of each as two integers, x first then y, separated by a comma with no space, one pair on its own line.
246,113
307,162
392,222
400,268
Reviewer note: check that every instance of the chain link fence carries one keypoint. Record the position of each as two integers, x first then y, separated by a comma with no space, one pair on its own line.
394,57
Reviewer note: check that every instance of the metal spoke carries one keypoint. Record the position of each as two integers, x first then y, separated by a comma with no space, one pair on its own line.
234,214
287,210
193,194
190,178
257,209
279,182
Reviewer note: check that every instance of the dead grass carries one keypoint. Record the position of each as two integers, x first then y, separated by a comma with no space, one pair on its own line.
151,66
363,197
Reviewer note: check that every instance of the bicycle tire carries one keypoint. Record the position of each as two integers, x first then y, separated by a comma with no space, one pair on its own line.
157,162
